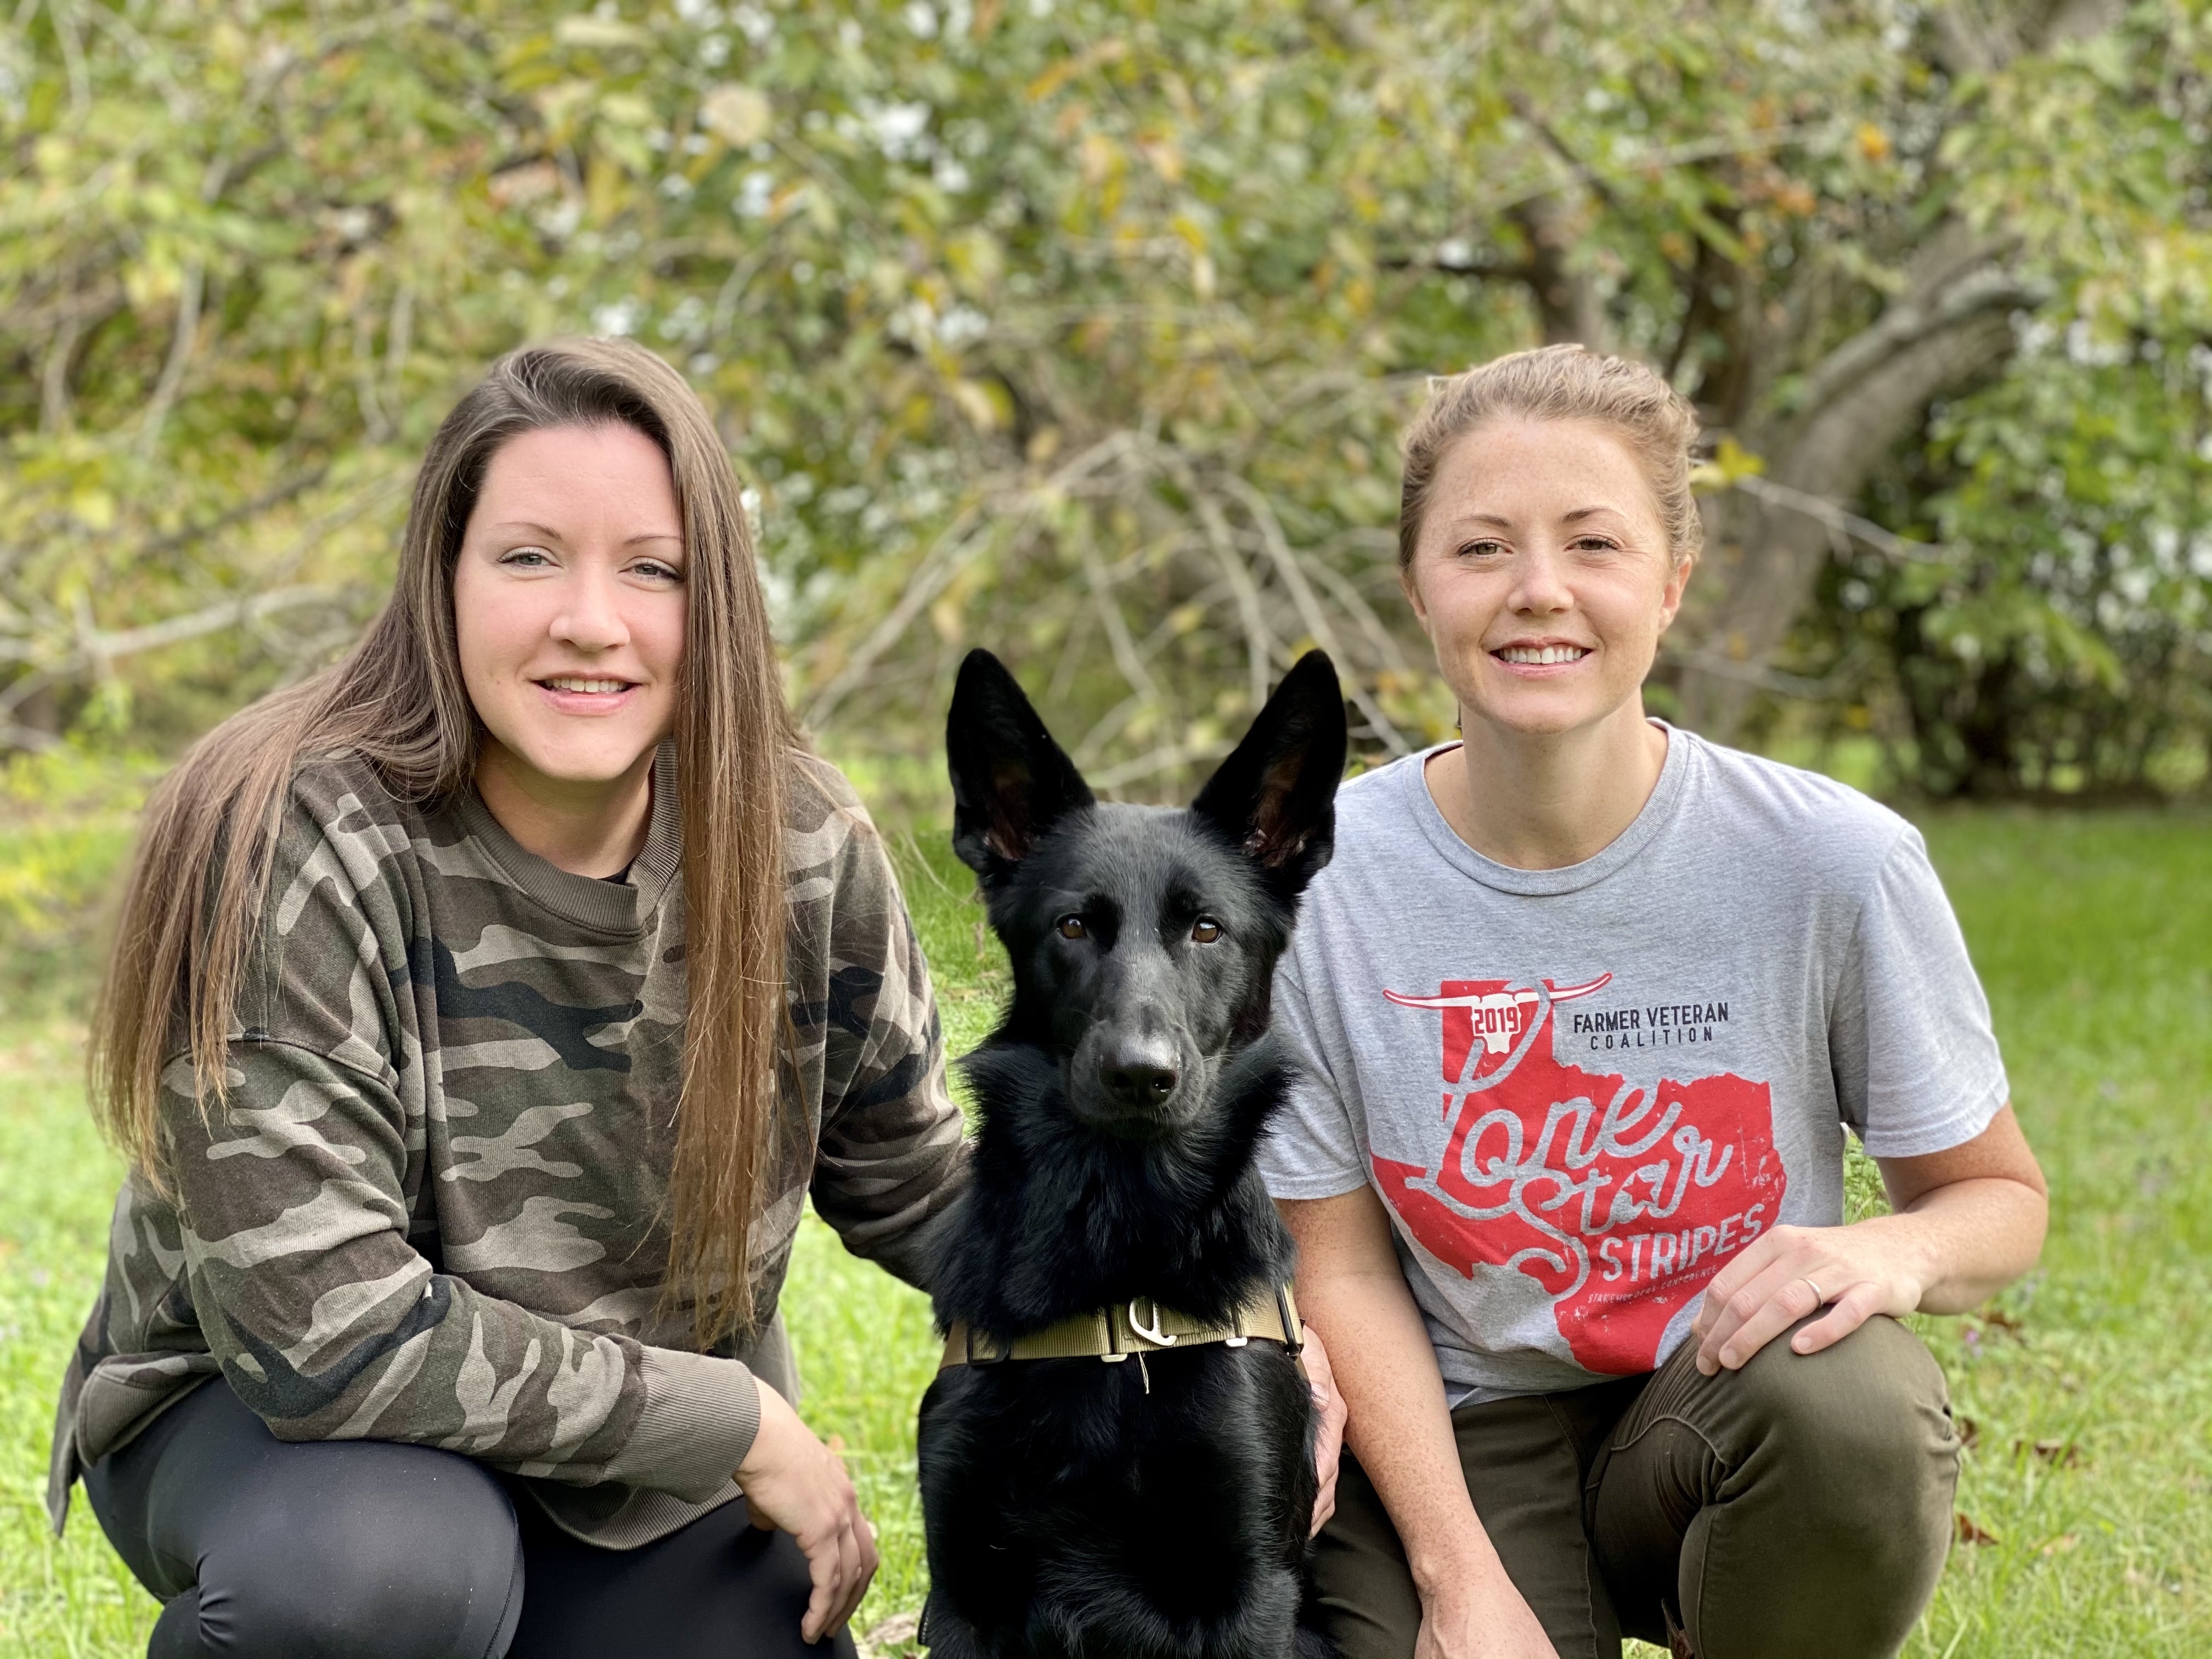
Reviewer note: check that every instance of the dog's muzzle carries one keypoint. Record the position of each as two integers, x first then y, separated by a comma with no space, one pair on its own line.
1131,1082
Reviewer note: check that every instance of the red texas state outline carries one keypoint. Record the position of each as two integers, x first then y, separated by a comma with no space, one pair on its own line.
1621,1204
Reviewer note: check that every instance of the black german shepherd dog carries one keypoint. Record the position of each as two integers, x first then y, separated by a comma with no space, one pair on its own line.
1077,1509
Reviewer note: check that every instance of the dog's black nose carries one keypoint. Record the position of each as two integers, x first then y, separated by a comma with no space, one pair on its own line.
1136,1085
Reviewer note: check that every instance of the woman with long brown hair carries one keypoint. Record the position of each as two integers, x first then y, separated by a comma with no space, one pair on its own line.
482,1012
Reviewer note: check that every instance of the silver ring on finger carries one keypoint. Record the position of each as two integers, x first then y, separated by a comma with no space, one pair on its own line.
1819,1300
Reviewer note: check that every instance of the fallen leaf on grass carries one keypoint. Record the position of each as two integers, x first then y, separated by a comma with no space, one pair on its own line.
1969,1432
894,1637
2059,1454
1986,1324
2060,1544
1968,1533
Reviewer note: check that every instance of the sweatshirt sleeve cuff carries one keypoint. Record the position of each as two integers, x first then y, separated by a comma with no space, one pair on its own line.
701,1415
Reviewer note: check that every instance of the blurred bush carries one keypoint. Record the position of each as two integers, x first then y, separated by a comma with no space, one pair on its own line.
2060,644
66,819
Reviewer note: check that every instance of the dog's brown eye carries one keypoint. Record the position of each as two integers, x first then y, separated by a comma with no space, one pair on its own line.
1072,928
1206,932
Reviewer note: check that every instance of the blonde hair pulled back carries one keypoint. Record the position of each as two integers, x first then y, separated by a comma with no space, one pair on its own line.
1560,383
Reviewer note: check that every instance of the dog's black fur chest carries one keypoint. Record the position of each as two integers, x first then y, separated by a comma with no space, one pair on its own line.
1134,1508
1072,1511
1152,1506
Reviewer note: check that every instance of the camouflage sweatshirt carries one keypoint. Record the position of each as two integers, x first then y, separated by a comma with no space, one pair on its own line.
433,1210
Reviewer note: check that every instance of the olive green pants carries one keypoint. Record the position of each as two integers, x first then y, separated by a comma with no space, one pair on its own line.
1798,1509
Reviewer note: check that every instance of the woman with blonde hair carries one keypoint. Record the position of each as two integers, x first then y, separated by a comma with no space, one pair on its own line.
482,1011
1614,1364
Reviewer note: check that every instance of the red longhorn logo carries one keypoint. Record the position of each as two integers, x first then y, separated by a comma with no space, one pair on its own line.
1487,1009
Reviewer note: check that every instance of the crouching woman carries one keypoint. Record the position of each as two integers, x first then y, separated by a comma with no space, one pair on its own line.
482,1011
1614,1362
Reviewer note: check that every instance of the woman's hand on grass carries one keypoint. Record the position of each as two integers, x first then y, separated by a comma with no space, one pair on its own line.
1788,1272
1330,1414
793,1483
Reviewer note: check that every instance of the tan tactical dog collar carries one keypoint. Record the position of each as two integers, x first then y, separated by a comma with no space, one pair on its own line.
1141,1326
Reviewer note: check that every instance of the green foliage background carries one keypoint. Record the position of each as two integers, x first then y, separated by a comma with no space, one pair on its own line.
1085,328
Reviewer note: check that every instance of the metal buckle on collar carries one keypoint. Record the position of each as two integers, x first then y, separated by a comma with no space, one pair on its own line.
997,1359
1294,1336
1151,1332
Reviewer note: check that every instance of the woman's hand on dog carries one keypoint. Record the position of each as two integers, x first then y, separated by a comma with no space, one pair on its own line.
1330,1414
793,1483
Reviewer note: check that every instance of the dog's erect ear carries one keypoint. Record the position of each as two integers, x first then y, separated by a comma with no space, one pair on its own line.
1274,797
1011,782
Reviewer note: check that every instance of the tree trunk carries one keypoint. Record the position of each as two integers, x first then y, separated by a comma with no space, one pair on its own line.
1951,324
1568,305
1763,559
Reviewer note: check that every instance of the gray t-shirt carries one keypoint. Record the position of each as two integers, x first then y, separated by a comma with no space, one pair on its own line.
1643,1061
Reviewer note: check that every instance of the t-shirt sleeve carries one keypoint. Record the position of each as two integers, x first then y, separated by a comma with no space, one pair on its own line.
1916,1063
1312,1149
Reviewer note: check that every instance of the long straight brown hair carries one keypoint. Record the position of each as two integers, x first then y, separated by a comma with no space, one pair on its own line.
200,875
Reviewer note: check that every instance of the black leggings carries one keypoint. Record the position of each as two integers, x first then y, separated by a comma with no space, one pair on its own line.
368,1549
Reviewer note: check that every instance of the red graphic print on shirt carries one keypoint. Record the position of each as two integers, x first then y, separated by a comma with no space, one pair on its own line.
1622,1203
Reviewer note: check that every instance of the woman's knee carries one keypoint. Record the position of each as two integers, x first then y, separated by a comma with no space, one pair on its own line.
1864,1426
1836,1475
405,1553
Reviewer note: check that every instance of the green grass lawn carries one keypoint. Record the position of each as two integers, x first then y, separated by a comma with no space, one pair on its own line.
2089,1485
